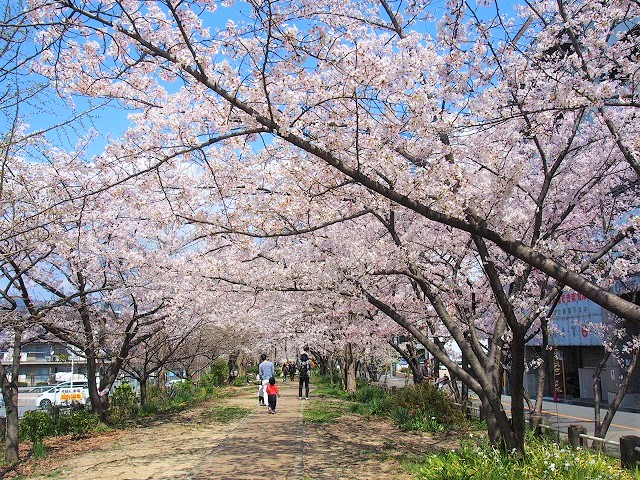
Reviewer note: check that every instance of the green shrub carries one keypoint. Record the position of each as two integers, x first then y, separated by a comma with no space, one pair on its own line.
35,425
123,403
421,407
240,381
158,401
185,393
416,419
430,407
216,377
366,393
544,459
82,421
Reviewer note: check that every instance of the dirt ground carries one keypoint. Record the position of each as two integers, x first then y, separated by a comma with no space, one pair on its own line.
197,445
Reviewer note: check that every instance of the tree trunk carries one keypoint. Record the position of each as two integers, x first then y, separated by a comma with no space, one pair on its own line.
10,393
410,355
414,363
536,414
349,370
493,429
143,392
518,421
602,428
321,361
242,366
597,399
232,365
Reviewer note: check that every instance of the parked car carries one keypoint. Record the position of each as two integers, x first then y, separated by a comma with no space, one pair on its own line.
171,383
36,389
64,394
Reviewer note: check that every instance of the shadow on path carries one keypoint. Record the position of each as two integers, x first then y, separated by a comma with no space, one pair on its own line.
262,446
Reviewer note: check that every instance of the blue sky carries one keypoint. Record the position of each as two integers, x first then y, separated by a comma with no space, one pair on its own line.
111,121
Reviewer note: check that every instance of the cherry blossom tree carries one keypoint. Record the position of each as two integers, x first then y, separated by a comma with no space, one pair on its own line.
516,137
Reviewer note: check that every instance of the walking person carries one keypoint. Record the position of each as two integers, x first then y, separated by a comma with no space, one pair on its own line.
266,370
304,371
285,372
292,371
272,393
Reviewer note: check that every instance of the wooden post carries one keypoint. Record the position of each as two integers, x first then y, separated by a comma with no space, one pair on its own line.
564,380
574,432
629,457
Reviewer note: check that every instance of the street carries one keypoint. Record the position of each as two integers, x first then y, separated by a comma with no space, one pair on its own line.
561,415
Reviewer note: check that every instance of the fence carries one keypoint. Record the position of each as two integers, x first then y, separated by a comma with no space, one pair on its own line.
627,449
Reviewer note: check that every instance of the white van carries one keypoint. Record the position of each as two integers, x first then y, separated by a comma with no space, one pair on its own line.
64,394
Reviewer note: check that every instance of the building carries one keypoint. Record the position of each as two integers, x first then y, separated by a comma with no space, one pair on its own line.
577,350
40,361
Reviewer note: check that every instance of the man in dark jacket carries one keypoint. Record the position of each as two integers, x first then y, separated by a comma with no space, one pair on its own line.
304,371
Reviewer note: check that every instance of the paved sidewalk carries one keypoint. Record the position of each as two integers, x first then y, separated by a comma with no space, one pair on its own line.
262,446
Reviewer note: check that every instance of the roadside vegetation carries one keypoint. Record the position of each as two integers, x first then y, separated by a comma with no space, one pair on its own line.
427,409
125,410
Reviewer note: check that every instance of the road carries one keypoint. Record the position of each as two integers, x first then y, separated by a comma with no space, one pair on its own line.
26,401
561,415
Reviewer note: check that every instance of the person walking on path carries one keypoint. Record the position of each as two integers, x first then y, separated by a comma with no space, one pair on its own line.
304,370
292,371
285,372
266,370
272,394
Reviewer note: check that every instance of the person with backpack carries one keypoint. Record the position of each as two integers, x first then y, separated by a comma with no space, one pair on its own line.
304,371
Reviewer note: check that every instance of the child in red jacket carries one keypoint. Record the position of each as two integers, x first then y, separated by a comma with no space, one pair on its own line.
272,394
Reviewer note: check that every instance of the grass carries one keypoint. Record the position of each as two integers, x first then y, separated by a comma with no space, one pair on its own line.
323,388
226,414
39,450
321,412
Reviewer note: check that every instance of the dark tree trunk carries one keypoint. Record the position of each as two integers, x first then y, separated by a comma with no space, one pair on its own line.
414,363
143,391
349,370
10,393
493,429
518,421
322,362
411,357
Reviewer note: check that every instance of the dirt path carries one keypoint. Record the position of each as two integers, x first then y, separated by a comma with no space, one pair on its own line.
196,445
